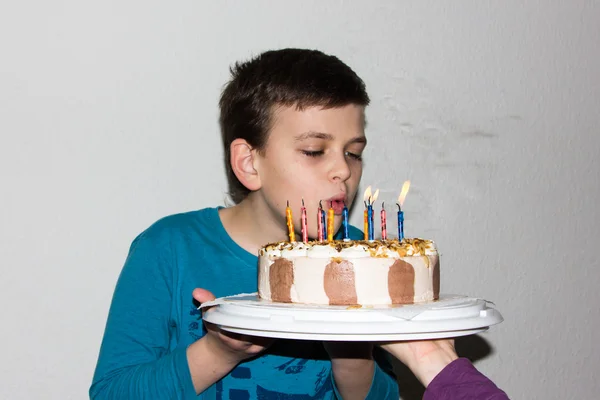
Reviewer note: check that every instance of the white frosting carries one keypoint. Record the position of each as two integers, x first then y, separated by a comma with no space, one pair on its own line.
308,282
273,254
322,251
358,251
372,280
293,253
422,266
264,284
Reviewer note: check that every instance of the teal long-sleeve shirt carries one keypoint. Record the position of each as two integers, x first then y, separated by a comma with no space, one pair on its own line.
153,319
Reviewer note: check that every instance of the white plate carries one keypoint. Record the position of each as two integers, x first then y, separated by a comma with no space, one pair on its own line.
450,316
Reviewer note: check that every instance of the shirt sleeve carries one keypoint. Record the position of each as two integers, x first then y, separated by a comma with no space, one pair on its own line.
135,361
461,380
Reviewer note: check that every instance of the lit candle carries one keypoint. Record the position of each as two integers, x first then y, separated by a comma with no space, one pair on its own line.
370,218
290,223
383,223
367,198
330,216
320,220
370,215
400,203
345,222
400,222
304,224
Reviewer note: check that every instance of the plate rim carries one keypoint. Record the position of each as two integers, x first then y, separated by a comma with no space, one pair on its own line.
357,337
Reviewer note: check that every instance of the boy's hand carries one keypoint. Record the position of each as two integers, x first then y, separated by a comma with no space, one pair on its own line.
230,346
425,358
218,352
352,366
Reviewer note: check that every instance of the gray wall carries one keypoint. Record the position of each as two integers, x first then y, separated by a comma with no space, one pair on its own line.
108,122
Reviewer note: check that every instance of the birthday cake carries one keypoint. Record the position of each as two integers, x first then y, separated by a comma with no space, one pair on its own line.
370,272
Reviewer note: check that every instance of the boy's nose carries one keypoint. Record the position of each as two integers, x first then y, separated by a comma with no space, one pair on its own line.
340,170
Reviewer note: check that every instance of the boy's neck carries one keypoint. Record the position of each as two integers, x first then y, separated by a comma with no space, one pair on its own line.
250,226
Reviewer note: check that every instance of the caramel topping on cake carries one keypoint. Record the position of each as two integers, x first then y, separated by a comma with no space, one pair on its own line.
376,248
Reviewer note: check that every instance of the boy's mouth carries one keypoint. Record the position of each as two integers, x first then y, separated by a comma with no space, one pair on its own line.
337,203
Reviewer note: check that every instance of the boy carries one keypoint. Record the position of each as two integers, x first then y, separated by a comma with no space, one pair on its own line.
292,123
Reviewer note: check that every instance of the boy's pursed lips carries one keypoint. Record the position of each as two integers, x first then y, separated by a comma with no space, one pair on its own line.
336,202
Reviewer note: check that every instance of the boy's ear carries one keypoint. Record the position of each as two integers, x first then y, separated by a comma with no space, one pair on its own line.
243,164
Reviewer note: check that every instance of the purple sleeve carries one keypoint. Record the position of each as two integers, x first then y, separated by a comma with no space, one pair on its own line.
460,380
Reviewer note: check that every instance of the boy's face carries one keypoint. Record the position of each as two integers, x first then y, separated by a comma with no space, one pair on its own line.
315,155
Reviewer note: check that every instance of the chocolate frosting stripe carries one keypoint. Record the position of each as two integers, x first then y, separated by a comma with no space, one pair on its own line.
281,278
435,261
401,283
339,282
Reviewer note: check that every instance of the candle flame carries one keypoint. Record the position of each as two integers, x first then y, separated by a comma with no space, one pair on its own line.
367,196
403,193
375,196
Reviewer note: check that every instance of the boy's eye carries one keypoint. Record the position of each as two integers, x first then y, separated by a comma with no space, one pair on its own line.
354,156
313,153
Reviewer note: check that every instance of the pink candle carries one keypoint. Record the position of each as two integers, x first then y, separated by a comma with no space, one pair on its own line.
383,223
330,217
320,223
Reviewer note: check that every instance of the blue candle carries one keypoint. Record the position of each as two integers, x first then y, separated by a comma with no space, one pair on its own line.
400,203
345,222
400,223
370,218
323,222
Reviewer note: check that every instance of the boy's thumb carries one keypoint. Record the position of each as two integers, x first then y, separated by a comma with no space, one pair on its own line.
202,295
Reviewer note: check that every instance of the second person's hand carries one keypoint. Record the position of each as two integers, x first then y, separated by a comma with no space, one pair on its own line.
425,358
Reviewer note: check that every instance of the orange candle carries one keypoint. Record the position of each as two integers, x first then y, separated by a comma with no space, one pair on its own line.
330,216
366,224
304,224
290,223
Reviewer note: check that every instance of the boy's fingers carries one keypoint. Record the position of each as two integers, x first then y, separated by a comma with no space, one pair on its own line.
257,340
202,295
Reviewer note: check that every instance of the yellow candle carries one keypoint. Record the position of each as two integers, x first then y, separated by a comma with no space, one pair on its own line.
290,223
366,224
330,216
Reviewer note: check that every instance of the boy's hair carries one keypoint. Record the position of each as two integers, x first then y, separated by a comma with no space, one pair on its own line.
287,77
